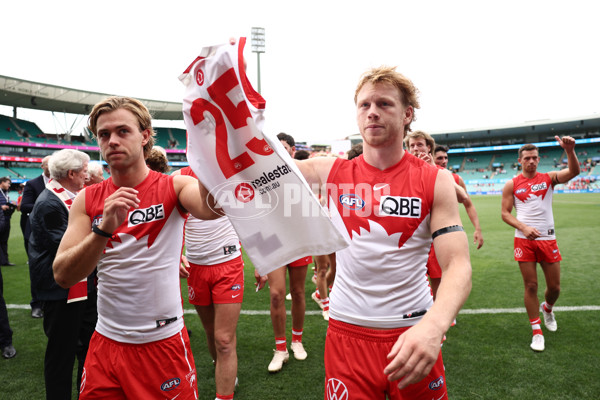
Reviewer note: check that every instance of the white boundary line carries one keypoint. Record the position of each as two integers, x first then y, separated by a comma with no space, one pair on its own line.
311,312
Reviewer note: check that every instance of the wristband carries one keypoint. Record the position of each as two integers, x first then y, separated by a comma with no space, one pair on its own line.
100,232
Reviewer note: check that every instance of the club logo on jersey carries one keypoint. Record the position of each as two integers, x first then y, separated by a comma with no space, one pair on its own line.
146,215
539,186
352,201
518,252
244,192
170,384
398,206
437,384
336,390
200,77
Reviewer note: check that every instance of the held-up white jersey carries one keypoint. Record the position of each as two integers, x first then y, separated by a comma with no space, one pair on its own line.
533,202
209,242
139,294
381,277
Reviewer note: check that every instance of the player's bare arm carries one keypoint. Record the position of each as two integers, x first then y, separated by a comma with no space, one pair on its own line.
472,214
417,350
195,198
573,169
76,258
315,170
507,216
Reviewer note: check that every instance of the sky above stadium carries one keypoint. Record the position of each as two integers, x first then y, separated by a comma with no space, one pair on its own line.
476,63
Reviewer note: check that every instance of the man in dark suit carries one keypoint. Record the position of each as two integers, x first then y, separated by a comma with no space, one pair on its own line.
32,190
8,207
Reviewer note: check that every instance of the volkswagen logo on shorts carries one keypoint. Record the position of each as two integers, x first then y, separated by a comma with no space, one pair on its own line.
518,252
336,390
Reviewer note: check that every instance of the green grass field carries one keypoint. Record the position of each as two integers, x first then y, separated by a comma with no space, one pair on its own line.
487,354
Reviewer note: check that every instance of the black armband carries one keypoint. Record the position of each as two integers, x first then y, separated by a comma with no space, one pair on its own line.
100,232
448,229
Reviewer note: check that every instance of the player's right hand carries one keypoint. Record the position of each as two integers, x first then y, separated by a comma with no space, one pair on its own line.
531,233
116,207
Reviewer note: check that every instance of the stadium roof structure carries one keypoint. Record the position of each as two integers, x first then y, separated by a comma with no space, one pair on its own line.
42,96
530,131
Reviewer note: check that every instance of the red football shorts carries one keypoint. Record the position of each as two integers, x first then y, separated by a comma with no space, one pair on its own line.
354,361
301,262
164,369
433,267
216,284
536,250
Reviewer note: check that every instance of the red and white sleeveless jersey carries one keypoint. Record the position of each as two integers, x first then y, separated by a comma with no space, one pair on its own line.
533,202
209,242
139,297
381,277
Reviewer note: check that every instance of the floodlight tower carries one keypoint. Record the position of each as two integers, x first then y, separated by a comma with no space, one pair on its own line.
258,46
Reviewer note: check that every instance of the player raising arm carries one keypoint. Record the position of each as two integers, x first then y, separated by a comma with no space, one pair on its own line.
535,240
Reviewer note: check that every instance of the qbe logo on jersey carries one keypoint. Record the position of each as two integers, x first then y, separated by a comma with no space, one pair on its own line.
145,215
398,206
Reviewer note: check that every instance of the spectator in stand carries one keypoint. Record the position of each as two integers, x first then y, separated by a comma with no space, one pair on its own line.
33,189
8,208
69,314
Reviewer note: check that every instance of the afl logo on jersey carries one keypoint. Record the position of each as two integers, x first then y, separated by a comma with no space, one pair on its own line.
352,201
519,191
145,215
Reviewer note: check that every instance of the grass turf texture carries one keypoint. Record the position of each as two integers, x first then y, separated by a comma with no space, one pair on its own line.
487,356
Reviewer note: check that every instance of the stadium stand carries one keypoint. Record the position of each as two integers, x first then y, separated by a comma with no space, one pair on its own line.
484,158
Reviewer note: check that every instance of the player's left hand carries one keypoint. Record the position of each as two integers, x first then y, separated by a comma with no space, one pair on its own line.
414,354
184,267
478,239
567,142
261,281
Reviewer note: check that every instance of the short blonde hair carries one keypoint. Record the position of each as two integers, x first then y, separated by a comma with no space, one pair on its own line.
429,140
136,107
384,74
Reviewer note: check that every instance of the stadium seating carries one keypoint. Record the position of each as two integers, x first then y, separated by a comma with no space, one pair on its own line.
20,130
